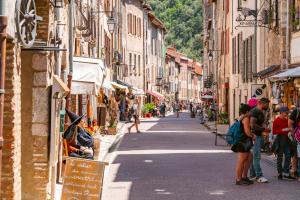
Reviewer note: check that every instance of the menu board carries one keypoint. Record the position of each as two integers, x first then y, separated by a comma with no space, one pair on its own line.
82,179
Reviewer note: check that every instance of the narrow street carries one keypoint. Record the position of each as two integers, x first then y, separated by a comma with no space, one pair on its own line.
176,159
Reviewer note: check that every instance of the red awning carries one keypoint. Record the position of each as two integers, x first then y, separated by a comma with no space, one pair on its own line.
156,94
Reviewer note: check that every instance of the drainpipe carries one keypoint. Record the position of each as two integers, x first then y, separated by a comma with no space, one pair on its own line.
71,13
3,26
255,38
59,35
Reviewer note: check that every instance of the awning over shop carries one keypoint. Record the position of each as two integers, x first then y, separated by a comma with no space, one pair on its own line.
88,75
156,94
137,91
124,83
267,71
207,97
119,86
108,85
290,73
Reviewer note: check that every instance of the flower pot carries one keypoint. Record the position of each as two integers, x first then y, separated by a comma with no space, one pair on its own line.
147,115
112,130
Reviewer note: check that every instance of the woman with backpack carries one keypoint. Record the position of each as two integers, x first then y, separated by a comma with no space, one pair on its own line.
243,147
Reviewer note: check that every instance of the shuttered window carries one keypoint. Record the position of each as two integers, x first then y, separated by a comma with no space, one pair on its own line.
250,57
242,57
227,48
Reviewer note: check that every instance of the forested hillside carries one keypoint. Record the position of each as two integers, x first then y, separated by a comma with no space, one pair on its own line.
183,19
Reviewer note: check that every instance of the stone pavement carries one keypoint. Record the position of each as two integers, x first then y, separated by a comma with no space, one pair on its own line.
176,159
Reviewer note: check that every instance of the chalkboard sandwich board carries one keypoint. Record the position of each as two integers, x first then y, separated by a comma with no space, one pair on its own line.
83,179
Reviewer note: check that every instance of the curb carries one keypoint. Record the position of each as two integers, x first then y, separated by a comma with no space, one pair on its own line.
121,133
115,141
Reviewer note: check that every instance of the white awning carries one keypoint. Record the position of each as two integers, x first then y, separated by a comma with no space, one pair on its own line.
290,73
88,75
207,97
137,91
119,86
108,85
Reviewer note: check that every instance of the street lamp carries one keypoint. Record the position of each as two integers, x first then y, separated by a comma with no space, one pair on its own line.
210,56
111,23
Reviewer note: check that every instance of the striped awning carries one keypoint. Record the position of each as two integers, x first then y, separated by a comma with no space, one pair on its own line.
156,94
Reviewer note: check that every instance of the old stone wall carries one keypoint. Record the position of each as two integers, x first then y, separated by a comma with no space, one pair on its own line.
36,74
35,123
11,160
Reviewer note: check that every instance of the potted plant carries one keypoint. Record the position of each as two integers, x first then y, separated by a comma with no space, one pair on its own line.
148,109
112,128
145,111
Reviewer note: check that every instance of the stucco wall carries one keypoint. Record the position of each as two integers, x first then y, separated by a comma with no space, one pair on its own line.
135,44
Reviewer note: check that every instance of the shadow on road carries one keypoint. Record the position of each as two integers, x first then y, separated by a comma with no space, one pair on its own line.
176,159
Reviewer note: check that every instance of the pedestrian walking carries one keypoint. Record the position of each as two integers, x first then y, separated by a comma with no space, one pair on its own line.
294,125
135,108
243,147
177,108
258,127
163,109
282,144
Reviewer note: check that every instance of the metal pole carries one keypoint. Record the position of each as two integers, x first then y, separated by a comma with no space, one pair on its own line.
71,11
3,26
255,39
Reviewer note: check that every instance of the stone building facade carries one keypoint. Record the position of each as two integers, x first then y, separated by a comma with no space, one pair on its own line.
243,57
31,144
155,62
134,43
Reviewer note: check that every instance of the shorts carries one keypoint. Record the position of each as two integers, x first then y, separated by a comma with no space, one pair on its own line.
136,119
243,146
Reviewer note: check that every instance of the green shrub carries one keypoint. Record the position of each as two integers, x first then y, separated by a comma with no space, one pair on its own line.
148,107
145,110
224,118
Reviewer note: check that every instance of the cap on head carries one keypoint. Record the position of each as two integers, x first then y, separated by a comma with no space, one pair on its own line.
284,109
264,100
252,102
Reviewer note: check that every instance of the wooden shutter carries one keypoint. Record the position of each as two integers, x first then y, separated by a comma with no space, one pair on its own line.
227,6
77,47
128,22
249,55
254,67
242,67
222,43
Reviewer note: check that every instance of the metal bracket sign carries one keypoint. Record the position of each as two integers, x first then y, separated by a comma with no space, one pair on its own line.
249,23
265,14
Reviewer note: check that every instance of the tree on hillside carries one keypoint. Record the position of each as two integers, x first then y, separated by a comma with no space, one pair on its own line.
183,20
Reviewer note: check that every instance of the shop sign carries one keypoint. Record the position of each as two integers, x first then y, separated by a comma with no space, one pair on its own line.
258,90
83,179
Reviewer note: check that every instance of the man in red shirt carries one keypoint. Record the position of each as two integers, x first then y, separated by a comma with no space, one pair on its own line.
282,143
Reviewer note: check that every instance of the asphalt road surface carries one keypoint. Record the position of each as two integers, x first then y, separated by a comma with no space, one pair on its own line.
175,159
